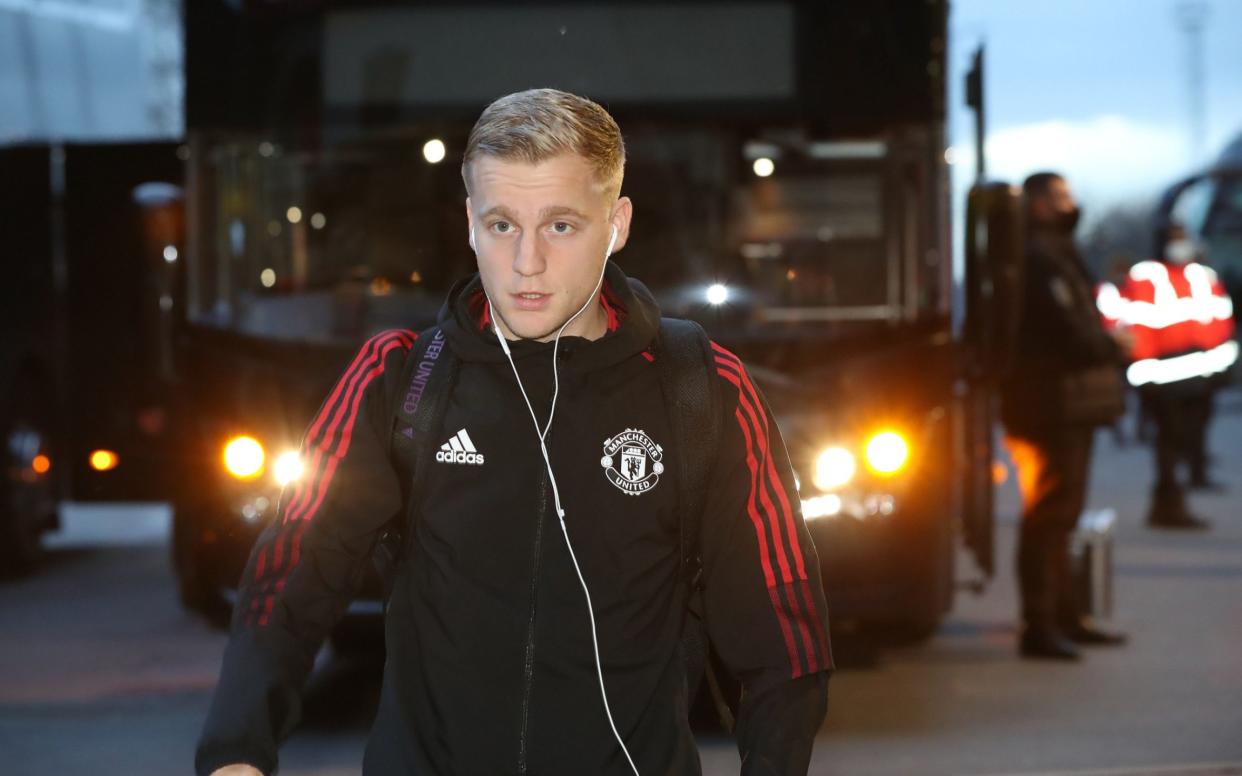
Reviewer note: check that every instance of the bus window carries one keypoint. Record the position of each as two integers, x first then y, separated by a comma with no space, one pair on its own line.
1191,207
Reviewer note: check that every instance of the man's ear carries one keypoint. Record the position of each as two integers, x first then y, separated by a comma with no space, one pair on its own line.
470,226
622,212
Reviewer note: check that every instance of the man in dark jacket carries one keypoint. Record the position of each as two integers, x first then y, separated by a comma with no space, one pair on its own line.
556,483
1067,382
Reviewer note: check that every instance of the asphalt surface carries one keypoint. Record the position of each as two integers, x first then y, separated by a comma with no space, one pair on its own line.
102,673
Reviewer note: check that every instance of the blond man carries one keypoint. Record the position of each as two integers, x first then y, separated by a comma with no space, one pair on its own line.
536,616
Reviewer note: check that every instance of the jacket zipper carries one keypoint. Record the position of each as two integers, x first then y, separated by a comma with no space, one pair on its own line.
530,627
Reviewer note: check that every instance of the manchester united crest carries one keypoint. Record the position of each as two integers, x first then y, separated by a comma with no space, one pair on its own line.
632,462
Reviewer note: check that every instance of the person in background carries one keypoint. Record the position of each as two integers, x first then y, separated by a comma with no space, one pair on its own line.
1066,383
1181,323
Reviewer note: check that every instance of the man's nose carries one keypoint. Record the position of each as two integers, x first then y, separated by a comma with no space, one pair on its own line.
529,260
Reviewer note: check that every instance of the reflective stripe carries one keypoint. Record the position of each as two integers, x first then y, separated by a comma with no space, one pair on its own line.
1109,302
1157,274
1161,371
1167,308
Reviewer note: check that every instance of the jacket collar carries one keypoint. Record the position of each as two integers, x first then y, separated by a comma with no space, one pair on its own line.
632,313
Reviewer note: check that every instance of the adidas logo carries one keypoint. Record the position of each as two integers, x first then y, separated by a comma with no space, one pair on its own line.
459,449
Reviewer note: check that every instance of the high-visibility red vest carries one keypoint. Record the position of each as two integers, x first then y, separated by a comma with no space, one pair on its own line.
1180,316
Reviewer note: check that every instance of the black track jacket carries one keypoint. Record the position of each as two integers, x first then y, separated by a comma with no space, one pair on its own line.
490,668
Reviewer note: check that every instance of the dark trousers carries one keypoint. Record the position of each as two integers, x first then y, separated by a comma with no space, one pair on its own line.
1198,415
1053,466
1181,420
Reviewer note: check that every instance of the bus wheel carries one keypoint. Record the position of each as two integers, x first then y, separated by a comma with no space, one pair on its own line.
27,490
196,589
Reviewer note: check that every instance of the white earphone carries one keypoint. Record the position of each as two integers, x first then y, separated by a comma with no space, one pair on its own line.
543,448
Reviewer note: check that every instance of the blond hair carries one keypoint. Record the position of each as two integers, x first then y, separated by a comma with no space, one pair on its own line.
538,124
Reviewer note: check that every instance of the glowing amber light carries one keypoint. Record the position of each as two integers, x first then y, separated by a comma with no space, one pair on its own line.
1000,472
887,452
243,457
41,464
104,460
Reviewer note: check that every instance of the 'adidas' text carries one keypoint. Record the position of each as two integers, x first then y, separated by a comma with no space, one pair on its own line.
459,449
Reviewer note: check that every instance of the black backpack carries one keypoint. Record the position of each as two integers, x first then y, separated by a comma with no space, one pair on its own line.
687,371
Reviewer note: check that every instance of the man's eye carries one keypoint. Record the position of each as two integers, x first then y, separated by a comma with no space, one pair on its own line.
502,227
562,227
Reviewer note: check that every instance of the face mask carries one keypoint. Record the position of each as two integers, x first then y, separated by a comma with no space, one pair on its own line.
1067,221
1180,251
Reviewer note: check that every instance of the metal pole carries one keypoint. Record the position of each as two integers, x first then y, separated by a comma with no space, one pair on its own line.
1191,16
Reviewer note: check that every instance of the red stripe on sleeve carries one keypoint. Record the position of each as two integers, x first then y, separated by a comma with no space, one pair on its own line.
729,367
352,385
783,615
773,477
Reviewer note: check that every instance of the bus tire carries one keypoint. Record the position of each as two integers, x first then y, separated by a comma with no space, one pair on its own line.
196,588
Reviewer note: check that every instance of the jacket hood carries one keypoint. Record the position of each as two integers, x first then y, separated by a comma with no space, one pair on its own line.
633,323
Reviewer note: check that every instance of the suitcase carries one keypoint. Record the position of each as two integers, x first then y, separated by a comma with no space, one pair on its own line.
1091,556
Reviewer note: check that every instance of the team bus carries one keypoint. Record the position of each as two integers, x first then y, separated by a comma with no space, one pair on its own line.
1209,204
787,165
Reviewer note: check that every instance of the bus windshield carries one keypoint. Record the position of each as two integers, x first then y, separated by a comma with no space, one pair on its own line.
369,234
327,201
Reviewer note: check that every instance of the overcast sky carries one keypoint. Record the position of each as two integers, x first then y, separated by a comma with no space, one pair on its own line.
1095,88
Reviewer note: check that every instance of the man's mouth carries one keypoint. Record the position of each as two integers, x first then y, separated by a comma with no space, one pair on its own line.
530,300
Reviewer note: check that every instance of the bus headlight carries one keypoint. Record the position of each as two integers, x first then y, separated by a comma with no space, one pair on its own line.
244,457
887,453
834,468
288,467
104,460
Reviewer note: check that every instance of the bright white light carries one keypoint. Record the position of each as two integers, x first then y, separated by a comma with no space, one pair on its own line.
821,506
294,214
266,149
288,467
764,167
170,253
834,468
717,294
318,220
268,277
433,150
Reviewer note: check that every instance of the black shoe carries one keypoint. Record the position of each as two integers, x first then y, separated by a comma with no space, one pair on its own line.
1183,521
1047,643
1089,635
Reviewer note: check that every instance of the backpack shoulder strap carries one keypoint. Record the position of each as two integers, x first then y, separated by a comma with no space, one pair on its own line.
417,416
418,411
692,394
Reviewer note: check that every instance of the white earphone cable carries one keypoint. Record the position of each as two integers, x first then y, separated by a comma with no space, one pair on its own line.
556,495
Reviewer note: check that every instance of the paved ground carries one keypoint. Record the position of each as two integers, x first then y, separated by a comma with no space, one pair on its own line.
102,673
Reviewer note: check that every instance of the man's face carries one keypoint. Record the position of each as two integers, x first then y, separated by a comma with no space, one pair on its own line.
1055,203
541,231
